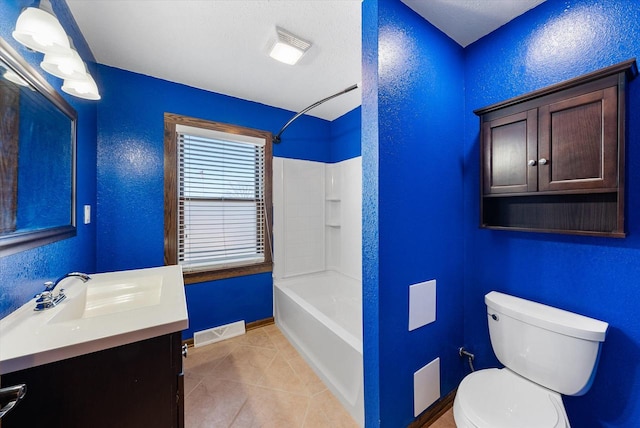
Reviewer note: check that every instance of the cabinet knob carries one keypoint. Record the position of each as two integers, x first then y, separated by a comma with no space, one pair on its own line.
531,162
542,161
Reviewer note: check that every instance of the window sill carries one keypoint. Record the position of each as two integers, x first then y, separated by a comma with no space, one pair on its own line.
204,276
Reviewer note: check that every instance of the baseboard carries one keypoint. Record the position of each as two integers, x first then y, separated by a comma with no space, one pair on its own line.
434,412
249,326
260,323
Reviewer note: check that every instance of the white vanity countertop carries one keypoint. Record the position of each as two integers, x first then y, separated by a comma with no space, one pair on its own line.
109,310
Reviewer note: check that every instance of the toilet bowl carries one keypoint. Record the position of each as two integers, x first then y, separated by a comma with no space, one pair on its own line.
499,398
547,352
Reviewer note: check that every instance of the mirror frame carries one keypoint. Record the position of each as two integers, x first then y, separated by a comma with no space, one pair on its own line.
14,242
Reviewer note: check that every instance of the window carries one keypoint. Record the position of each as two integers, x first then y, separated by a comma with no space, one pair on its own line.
217,198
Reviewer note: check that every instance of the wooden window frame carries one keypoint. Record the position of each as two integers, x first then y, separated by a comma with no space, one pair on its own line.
171,197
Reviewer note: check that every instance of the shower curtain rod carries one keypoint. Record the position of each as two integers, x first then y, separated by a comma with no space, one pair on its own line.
277,139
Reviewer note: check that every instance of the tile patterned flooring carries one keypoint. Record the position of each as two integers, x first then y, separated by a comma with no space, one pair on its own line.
259,380
445,421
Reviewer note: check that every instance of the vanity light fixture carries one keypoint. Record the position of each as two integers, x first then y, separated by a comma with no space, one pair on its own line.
65,65
288,48
82,88
38,28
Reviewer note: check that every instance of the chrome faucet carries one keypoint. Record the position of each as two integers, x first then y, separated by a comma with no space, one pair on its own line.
47,300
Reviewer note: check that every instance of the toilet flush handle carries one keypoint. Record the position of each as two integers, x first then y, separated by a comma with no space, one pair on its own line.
495,317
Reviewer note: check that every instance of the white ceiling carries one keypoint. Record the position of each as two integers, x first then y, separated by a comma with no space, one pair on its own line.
466,21
221,45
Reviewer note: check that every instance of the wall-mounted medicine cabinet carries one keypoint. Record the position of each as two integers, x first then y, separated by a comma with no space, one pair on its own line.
553,159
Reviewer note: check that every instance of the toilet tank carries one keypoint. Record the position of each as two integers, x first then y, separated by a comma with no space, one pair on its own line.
549,346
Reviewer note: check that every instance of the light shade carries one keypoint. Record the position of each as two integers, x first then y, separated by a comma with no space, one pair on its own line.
11,76
65,65
82,88
287,47
41,31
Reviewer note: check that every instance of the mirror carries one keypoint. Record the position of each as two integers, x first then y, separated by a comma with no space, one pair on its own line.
37,158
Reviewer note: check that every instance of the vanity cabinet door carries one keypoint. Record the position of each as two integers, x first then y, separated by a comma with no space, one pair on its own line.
137,385
510,153
578,142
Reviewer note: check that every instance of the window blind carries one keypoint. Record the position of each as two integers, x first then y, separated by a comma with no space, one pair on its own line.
221,203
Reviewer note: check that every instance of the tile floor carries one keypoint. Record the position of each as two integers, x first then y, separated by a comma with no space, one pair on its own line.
445,421
259,380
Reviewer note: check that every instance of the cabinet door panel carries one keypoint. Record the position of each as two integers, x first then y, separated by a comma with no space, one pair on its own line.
129,386
508,144
578,138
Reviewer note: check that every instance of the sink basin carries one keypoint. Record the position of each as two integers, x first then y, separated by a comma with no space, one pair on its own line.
110,295
110,309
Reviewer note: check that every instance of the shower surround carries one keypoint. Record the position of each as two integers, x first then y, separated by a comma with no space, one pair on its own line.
317,210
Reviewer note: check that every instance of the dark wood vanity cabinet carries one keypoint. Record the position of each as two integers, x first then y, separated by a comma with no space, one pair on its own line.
129,386
553,160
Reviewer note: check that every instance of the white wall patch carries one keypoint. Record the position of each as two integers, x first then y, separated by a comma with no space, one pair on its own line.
422,304
426,386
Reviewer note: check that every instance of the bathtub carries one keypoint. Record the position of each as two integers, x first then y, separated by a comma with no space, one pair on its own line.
321,315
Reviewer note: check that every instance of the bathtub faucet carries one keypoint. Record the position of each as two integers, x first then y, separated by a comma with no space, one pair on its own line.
46,299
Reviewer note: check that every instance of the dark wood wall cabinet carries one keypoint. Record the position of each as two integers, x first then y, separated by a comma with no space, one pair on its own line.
129,386
553,159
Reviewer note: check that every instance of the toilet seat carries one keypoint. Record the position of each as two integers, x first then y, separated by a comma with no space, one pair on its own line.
499,398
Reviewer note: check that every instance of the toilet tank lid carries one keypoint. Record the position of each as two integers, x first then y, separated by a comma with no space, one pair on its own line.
547,317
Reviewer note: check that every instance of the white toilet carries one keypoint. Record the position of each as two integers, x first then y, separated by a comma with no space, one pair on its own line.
546,352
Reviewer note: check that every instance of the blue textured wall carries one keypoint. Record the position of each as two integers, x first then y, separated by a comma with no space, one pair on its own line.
22,274
420,100
345,136
370,214
130,179
597,277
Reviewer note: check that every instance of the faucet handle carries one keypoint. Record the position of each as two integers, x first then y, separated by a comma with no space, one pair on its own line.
43,297
49,285
44,301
